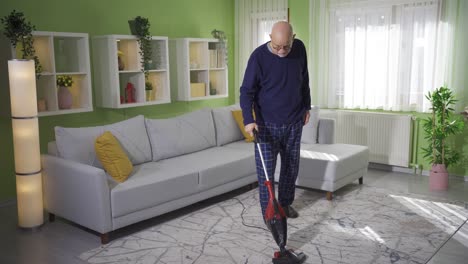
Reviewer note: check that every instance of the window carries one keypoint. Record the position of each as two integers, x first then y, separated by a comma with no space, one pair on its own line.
261,26
253,22
383,57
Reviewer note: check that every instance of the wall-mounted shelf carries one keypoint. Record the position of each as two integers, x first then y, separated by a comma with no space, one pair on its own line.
62,53
113,74
199,69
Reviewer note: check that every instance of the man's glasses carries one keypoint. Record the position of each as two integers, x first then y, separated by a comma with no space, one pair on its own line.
278,47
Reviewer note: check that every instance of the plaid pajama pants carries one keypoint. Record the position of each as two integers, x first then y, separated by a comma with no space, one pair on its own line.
284,140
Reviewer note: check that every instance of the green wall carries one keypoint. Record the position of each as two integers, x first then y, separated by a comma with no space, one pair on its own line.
299,19
175,18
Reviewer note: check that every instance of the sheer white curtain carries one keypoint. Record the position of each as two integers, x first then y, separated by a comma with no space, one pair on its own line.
380,54
254,19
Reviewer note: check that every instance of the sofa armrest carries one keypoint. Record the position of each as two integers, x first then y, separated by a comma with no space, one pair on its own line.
52,148
77,192
326,131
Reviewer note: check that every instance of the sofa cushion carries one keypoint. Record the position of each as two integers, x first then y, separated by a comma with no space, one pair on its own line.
181,135
113,157
77,144
217,165
226,127
151,184
154,183
331,162
242,145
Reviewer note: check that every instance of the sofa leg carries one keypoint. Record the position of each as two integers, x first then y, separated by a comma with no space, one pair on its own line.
329,196
105,238
253,185
51,217
361,180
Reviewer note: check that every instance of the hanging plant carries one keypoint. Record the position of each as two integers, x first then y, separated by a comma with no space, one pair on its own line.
222,43
440,126
18,30
140,27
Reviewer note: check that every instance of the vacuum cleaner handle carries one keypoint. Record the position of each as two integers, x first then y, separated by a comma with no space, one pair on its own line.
260,153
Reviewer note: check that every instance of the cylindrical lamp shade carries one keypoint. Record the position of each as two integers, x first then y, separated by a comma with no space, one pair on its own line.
29,199
26,145
22,88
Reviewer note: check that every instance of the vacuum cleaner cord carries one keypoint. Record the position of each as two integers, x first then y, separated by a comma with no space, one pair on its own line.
242,216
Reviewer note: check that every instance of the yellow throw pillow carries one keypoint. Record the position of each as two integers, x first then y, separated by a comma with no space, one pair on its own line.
112,157
237,114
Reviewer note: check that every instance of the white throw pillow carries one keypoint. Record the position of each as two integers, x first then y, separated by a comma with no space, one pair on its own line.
310,131
181,135
77,144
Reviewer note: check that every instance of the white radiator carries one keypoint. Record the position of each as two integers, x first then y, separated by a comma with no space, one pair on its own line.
388,136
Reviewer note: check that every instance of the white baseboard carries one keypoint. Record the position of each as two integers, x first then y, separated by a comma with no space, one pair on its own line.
411,171
390,168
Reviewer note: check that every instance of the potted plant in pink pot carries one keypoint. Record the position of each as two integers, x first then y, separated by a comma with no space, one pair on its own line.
438,127
64,96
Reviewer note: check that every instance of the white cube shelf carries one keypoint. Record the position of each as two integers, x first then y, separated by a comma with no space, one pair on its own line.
62,53
111,82
196,63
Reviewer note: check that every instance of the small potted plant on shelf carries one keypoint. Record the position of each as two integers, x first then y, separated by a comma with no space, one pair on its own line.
65,98
149,91
221,46
140,27
438,128
19,32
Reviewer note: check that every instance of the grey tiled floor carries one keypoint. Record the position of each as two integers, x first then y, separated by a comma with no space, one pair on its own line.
61,242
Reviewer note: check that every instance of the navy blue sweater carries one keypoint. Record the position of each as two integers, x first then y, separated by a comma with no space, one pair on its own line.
276,88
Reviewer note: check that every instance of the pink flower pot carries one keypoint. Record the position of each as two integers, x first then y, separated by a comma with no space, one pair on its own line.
65,98
438,178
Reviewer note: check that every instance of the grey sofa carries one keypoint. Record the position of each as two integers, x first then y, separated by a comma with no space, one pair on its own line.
177,162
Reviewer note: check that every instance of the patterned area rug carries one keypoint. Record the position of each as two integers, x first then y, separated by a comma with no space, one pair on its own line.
361,225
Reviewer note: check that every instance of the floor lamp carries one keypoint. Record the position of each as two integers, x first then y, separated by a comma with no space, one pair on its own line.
26,143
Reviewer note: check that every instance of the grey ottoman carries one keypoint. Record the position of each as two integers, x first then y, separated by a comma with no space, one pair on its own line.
329,167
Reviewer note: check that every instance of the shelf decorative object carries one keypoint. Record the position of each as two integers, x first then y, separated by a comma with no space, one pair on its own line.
222,42
140,27
130,93
65,98
149,91
120,61
438,128
19,32
41,105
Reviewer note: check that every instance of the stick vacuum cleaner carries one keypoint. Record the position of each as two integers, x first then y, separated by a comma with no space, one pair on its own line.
275,219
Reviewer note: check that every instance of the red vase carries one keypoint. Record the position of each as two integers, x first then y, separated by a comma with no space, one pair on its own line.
438,178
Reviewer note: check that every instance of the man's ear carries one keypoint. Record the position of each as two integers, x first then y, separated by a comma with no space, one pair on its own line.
294,35
270,36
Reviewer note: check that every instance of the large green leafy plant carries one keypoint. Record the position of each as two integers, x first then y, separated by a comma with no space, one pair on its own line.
440,126
19,31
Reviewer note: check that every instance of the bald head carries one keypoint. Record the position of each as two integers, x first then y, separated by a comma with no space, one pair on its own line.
281,29
281,38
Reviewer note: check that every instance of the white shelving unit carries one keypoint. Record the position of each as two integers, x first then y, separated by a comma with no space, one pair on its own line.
199,69
62,53
111,81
